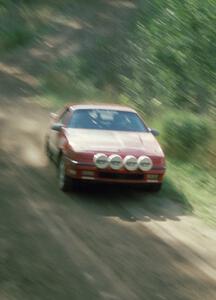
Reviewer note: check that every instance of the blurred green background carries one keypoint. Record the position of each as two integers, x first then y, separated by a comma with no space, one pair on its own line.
158,56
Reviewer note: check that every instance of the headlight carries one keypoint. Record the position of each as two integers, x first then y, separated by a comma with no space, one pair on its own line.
130,163
115,162
145,163
101,160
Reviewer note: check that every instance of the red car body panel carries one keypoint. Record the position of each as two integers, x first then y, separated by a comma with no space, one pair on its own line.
80,145
85,143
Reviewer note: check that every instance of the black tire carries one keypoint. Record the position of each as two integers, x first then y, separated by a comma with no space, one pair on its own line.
154,187
47,149
64,181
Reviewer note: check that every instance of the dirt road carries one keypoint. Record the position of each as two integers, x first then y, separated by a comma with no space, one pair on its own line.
99,243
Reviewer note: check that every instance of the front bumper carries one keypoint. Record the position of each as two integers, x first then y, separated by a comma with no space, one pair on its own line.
88,172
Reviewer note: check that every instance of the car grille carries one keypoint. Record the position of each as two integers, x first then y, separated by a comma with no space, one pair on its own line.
119,176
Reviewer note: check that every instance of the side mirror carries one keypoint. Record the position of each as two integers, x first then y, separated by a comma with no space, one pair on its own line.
57,126
154,132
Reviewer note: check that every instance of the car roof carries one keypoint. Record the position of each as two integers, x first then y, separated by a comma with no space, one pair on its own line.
101,106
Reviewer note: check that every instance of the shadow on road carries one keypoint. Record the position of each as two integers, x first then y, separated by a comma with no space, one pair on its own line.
157,206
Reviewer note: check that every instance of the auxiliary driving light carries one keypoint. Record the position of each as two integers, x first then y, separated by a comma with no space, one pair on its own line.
130,163
101,160
115,162
145,163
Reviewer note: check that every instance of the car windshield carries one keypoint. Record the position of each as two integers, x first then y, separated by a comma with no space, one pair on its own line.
103,119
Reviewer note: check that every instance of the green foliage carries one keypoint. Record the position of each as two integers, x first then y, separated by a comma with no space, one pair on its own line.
165,50
99,63
171,54
65,79
17,37
197,186
185,134
16,26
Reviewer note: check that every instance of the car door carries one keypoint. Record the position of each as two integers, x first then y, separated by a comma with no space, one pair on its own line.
55,135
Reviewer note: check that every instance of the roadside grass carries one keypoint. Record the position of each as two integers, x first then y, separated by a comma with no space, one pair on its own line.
191,180
194,186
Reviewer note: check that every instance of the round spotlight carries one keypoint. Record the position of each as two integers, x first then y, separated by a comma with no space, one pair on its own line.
130,163
115,161
145,163
101,160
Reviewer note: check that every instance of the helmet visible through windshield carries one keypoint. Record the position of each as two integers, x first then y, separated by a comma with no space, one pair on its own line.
102,119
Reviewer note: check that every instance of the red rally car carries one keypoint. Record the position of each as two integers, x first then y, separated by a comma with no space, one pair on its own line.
104,143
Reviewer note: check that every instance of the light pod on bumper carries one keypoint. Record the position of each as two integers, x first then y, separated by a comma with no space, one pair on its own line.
145,163
130,163
101,160
115,161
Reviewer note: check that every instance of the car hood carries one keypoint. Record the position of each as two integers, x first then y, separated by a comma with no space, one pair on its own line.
121,142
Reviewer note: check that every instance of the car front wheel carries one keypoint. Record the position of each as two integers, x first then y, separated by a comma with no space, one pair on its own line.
47,149
63,179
